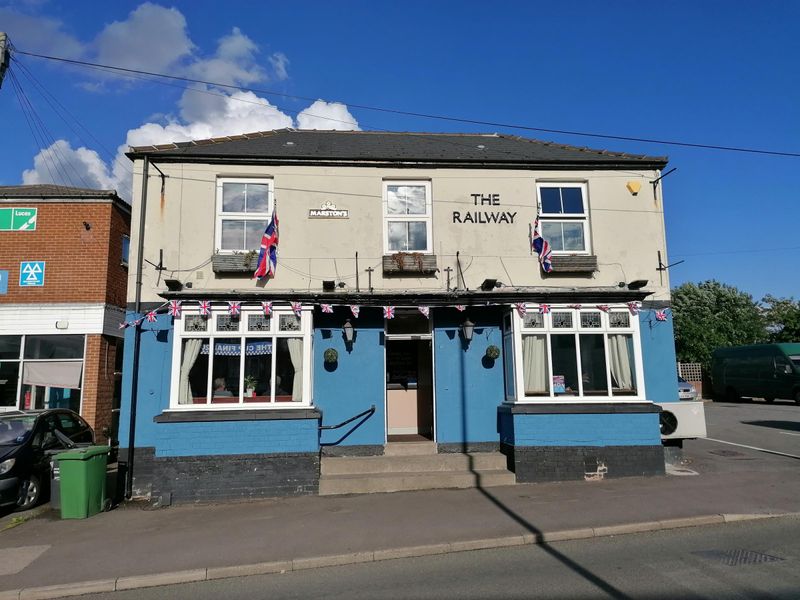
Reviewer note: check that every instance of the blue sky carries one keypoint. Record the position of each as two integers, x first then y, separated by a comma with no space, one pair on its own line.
713,72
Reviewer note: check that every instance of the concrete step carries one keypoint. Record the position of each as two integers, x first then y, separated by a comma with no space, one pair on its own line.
398,482
480,461
409,448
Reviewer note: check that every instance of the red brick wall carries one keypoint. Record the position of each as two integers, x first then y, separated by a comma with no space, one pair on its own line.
98,383
81,265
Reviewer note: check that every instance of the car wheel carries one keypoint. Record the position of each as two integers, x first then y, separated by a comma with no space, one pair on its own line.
731,395
30,493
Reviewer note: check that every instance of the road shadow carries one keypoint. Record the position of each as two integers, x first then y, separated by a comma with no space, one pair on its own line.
785,425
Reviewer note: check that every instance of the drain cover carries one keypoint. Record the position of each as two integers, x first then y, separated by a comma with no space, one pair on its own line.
735,558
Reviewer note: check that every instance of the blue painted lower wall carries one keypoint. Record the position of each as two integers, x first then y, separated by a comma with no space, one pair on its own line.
580,430
658,357
356,381
469,387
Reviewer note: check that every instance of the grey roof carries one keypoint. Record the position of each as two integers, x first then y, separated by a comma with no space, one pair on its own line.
462,149
49,190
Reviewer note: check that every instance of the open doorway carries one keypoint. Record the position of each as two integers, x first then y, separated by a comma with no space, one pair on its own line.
409,378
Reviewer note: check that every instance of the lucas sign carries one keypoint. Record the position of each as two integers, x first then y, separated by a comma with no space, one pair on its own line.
31,274
18,219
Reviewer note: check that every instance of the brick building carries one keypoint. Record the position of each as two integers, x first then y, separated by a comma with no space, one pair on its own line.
63,277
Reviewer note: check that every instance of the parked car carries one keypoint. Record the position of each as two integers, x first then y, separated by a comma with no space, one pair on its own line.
686,390
766,371
28,441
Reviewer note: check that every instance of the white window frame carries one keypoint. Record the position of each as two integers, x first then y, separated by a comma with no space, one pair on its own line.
240,216
220,309
582,218
427,218
576,329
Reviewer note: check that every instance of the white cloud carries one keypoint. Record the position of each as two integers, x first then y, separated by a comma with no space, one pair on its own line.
327,115
63,165
152,38
202,111
42,35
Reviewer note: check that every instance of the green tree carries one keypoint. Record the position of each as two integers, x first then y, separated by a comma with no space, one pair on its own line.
782,316
713,315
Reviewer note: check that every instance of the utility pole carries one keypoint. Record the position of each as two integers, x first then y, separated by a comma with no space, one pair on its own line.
5,56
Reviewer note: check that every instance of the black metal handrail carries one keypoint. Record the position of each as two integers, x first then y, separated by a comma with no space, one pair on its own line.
369,411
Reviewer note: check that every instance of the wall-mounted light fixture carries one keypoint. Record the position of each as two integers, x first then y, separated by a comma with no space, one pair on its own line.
173,285
467,330
637,284
489,284
348,331
328,285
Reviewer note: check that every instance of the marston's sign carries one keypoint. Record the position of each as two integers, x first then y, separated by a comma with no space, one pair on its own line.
328,210
490,216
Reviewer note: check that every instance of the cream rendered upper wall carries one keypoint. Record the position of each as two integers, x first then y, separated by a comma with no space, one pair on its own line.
627,231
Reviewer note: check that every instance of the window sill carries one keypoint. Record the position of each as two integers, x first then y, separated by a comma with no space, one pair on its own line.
579,406
231,262
574,263
409,263
180,415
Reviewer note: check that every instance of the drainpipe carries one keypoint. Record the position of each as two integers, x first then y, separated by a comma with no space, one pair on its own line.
136,331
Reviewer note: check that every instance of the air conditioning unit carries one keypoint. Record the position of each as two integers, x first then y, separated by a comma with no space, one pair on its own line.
682,420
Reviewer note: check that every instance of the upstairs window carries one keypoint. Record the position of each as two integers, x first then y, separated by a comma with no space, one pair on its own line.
407,216
564,217
243,208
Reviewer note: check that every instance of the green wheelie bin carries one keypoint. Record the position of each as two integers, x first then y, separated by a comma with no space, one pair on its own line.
83,481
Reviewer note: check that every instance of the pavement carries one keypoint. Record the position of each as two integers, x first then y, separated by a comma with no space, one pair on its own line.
136,546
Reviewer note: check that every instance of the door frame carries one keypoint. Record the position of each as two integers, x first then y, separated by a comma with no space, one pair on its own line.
414,336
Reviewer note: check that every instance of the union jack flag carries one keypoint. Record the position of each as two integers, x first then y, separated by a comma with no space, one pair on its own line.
268,253
205,308
633,307
355,309
542,247
388,312
151,316
137,322
326,308
521,308
175,308
544,309
297,308
234,308
661,315
461,307
425,310
267,308
123,325
604,307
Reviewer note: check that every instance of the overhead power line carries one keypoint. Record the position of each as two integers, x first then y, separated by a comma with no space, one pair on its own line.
420,114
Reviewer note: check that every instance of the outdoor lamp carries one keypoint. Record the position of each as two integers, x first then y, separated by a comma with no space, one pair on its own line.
467,329
347,330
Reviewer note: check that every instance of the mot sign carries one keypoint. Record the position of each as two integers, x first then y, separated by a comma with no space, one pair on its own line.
18,219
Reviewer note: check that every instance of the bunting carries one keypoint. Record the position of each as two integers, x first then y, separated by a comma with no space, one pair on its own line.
175,308
633,307
544,309
425,310
297,307
461,307
661,315
604,307
521,308
234,308
205,308
151,317
388,312
355,309
326,308
267,308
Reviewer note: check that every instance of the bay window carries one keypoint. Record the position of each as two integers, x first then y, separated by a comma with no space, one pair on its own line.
564,217
244,206
572,353
225,361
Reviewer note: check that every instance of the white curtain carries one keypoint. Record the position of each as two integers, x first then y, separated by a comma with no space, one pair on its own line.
191,350
295,346
620,350
534,364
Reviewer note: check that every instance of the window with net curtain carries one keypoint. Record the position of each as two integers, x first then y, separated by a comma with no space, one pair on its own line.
578,362
211,369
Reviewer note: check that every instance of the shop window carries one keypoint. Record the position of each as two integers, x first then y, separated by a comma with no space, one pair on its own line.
244,206
407,216
210,371
574,353
564,217
54,346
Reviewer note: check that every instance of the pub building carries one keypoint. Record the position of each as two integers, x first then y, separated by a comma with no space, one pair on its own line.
404,313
